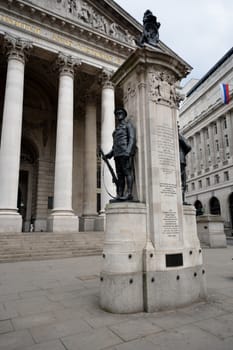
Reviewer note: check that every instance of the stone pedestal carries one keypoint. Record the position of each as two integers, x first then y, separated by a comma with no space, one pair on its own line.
175,277
121,286
210,230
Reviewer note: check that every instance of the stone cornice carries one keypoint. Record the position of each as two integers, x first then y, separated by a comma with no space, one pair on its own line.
207,116
150,56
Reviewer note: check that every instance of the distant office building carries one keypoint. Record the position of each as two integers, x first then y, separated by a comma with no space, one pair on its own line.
206,120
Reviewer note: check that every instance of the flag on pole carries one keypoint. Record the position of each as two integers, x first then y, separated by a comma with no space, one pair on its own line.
225,93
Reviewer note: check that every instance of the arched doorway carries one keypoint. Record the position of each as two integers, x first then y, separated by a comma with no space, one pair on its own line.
215,208
27,183
199,208
231,208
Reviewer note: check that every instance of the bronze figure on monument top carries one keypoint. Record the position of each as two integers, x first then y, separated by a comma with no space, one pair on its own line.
150,34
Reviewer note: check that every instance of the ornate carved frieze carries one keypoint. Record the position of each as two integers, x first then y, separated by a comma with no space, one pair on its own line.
86,14
163,88
16,47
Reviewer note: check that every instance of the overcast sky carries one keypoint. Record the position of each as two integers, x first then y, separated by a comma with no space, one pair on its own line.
200,31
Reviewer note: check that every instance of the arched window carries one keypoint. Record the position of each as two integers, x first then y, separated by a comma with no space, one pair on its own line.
199,208
215,208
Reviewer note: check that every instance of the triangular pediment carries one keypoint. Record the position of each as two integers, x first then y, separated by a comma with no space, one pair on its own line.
104,17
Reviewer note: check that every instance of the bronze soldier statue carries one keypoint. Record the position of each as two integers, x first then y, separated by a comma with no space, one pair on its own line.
123,151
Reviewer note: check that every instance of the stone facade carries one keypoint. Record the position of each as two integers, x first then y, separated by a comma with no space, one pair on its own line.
56,108
207,123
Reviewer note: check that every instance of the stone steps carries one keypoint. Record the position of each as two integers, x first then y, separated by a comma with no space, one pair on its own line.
49,245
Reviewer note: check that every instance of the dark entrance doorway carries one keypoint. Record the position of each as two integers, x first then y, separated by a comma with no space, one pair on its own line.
199,208
215,208
27,183
23,193
231,208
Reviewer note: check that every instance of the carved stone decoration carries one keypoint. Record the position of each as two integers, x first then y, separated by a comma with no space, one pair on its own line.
163,88
86,14
16,47
105,77
66,63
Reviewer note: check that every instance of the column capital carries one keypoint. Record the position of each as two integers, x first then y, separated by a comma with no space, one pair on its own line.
105,77
66,64
17,48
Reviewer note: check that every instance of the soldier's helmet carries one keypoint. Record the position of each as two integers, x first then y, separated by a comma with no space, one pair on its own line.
121,109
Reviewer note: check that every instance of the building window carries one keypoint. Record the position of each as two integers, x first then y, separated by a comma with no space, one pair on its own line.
216,178
225,123
201,153
200,184
226,141
207,181
193,186
217,145
215,128
226,176
207,133
208,149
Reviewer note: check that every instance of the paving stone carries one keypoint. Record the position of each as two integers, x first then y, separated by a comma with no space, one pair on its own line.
51,345
105,319
134,329
33,320
7,312
219,327
58,329
170,320
15,340
94,340
186,338
29,306
202,311
6,326
32,293
139,344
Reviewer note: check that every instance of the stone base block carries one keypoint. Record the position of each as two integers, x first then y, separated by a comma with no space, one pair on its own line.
10,222
87,223
40,225
210,230
173,288
121,293
63,223
100,223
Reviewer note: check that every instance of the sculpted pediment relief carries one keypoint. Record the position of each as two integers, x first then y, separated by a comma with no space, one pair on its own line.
82,12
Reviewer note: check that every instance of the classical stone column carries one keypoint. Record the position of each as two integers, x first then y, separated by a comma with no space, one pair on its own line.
87,222
107,128
62,218
10,220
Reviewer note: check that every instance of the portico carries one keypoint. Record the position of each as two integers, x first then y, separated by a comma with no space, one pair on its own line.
57,109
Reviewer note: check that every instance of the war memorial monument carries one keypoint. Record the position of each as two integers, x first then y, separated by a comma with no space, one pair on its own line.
152,259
